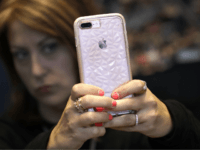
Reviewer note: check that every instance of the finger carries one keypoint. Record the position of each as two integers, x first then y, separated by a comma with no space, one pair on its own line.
83,134
81,89
128,120
70,107
136,87
142,123
145,122
90,118
135,103
142,128
91,101
93,132
128,129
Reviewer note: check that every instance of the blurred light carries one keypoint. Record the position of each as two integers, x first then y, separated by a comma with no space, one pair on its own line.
188,56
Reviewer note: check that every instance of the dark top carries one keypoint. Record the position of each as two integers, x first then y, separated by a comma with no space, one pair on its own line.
185,134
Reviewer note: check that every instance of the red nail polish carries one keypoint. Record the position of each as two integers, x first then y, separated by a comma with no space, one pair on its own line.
99,124
99,109
114,103
115,95
110,117
101,92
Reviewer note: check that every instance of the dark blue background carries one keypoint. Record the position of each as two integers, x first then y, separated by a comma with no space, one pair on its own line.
4,88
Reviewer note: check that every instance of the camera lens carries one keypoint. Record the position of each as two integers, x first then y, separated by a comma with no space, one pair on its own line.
86,25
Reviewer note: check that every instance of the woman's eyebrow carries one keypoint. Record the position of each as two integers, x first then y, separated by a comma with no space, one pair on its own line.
43,40
39,44
15,47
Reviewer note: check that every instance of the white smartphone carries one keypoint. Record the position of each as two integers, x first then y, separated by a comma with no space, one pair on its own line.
103,52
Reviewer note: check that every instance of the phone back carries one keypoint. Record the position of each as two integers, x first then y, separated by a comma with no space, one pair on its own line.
103,52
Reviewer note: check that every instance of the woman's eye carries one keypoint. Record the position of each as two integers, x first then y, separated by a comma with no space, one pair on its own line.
49,48
20,55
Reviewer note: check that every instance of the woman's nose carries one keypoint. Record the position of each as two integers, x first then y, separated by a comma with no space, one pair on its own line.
38,69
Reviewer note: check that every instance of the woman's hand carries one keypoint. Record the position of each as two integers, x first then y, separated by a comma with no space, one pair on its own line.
74,128
153,116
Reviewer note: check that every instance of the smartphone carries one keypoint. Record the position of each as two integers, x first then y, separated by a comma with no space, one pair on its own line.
103,52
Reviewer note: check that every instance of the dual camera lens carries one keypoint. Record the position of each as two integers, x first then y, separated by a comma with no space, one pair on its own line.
86,25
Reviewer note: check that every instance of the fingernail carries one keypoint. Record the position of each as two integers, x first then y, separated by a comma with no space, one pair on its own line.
99,109
101,92
110,117
114,103
99,124
115,95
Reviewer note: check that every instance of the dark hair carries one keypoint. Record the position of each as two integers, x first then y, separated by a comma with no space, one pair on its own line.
53,17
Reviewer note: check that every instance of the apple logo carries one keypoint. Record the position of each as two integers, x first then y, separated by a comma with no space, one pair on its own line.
102,44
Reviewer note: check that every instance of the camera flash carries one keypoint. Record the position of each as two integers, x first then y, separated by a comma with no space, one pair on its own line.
95,23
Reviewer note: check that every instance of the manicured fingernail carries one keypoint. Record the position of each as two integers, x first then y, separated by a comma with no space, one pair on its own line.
101,92
99,109
114,103
115,95
99,124
110,117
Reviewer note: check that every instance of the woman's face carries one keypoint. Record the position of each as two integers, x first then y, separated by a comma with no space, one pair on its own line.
43,64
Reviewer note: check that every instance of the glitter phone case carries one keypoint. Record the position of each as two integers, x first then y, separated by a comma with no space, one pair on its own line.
103,54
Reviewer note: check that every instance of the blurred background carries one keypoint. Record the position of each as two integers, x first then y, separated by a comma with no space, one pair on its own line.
164,41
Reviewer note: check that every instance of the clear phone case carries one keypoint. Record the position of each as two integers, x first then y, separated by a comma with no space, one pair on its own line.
103,54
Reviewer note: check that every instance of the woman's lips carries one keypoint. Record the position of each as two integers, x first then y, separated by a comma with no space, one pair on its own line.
44,89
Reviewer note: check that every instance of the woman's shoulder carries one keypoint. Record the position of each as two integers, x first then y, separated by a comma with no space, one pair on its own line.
14,134
9,129
6,120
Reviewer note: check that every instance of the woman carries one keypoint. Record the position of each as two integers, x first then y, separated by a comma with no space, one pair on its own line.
37,46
